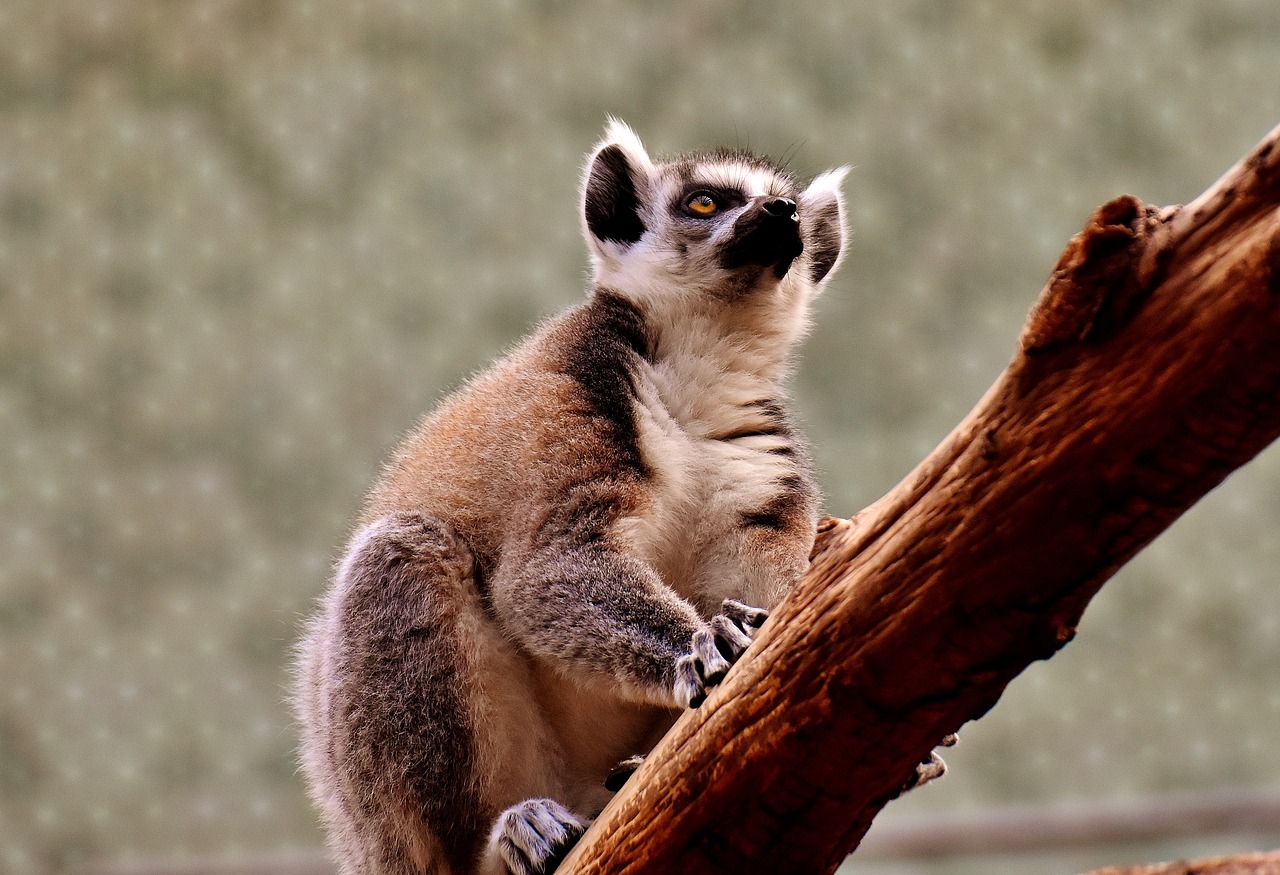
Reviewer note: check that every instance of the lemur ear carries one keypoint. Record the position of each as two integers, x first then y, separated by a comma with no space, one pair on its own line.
822,218
612,186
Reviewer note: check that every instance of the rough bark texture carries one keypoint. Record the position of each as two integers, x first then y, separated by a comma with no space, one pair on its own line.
1148,370
1247,864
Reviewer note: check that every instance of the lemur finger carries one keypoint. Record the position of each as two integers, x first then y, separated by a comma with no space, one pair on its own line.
711,663
536,836
621,772
949,740
747,618
730,639
688,689
703,667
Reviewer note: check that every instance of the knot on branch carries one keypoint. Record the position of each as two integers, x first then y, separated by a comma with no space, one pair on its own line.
1100,279
830,529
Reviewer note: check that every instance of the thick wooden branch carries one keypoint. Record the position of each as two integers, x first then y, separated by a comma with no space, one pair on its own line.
1148,370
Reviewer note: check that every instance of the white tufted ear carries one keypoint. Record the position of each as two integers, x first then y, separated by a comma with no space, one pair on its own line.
822,216
619,133
614,187
827,185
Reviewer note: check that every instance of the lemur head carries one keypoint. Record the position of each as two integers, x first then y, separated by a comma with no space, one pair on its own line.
710,232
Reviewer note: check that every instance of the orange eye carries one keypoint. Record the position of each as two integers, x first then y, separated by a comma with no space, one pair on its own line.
702,204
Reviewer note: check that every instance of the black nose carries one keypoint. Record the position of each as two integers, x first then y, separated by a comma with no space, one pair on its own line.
782,207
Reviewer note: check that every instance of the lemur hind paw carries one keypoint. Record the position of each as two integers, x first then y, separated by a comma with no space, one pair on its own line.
715,649
932,767
928,770
536,835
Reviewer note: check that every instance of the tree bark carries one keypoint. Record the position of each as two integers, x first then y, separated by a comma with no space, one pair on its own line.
1148,370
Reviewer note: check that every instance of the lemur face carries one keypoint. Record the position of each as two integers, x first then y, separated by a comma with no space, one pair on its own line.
716,226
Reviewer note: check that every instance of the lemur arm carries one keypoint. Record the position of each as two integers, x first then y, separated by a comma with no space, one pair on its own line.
596,608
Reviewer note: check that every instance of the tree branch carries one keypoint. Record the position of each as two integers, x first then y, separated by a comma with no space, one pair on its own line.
1148,370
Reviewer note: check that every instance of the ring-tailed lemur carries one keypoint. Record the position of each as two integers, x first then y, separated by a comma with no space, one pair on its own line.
578,543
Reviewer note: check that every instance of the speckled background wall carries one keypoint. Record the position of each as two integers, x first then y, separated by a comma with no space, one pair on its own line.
244,244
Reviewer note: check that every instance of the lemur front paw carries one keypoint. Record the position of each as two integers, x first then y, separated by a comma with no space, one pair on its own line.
535,836
714,649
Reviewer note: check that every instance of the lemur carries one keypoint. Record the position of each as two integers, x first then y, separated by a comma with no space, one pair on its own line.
577,544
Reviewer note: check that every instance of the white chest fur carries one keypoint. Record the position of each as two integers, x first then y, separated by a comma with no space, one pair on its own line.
715,453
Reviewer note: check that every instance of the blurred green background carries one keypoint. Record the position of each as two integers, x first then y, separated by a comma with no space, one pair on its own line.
244,244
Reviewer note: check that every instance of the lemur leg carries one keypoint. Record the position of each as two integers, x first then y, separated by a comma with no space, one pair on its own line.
395,749
390,742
